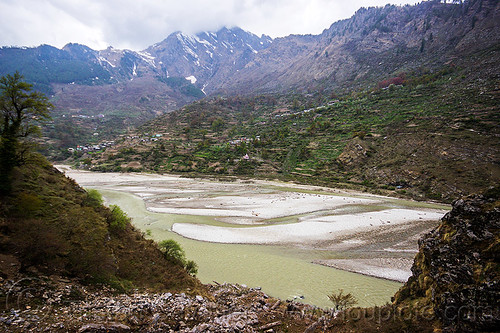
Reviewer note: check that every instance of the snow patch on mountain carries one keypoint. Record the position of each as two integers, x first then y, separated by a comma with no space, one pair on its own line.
104,60
148,58
203,89
192,78
204,42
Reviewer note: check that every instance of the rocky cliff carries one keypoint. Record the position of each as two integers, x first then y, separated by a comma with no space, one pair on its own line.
373,44
456,272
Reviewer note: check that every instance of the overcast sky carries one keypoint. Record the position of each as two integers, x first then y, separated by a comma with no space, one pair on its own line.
136,24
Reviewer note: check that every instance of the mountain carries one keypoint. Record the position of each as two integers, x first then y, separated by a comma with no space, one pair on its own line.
374,43
207,57
126,88
371,45
46,65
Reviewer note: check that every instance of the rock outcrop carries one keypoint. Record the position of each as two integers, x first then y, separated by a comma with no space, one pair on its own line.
456,272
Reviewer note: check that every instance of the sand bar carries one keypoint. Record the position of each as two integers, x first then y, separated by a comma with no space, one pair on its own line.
310,230
351,224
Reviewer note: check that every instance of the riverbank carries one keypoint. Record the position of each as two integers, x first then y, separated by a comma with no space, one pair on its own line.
56,304
394,269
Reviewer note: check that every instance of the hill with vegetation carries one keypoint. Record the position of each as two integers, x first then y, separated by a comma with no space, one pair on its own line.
431,135
50,225
100,94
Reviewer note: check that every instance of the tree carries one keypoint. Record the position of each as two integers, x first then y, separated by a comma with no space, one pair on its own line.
21,111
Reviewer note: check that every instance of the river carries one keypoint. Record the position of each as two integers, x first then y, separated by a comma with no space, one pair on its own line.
285,268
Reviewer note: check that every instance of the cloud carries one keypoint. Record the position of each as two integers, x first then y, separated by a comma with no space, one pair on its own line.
30,23
137,24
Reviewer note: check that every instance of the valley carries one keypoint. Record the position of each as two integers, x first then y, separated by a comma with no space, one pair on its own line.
275,235
429,138
220,181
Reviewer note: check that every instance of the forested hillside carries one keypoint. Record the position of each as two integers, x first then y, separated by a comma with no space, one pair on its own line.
50,225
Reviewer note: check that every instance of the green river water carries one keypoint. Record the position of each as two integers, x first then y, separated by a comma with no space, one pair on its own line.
281,272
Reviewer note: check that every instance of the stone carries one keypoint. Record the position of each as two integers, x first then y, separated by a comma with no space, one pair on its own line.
106,327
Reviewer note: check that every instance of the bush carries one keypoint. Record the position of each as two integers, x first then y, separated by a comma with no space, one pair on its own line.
118,219
342,301
398,81
174,252
191,267
94,198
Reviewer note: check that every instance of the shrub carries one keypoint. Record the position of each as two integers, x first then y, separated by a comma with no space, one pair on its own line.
94,198
398,81
342,301
191,267
118,219
173,251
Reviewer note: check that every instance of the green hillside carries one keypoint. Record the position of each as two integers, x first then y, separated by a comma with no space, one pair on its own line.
53,226
432,135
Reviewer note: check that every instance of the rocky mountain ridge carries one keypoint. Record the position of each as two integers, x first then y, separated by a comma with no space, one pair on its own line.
207,57
374,43
201,56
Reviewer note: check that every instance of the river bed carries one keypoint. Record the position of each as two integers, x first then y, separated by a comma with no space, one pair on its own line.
278,236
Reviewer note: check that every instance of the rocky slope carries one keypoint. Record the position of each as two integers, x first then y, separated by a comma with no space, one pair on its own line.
208,57
456,273
70,307
372,45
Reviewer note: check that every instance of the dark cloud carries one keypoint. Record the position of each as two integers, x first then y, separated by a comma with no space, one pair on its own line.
135,24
